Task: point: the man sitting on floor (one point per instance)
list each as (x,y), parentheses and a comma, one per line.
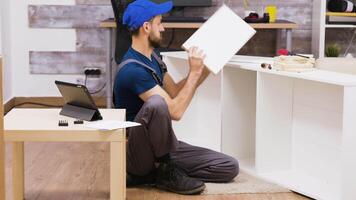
(152,98)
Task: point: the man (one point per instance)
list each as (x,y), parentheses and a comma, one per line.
(152,98)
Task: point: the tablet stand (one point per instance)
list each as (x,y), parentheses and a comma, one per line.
(79,112)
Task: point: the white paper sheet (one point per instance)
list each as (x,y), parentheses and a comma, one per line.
(220,38)
(111,125)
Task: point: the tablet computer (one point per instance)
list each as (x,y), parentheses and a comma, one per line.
(78,102)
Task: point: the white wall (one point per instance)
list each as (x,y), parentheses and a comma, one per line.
(0,28)
(5,50)
(19,39)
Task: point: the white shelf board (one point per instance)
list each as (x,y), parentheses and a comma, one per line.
(340,26)
(247,165)
(295,180)
(302,183)
(253,63)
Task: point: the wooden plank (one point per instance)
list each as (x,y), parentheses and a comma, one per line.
(112,24)
(93,2)
(341,14)
(91,40)
(62,16)
(280,24)
(56,62)
(63,136)
(2,144)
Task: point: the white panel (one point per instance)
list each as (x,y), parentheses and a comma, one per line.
(300,182)
(318,95)
(349,145)
(253,63)
(274,122)
(336,64)
(317,143)
(201,123)
(318,28)
(317,132)
(177,67)
(215,37)
(52,39)
(239,113)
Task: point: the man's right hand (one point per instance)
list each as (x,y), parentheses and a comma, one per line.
(196,60)
(179,102)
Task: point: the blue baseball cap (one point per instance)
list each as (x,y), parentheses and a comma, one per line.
(141,11)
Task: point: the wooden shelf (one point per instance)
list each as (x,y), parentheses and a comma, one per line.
(279,24)
(341,14)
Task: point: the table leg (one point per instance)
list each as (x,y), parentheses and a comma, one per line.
(2,167)
(18,173)
(117,170)
(109,61)
(289,39)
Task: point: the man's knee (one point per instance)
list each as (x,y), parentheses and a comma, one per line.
(235,168)
(157,105)
(232,169)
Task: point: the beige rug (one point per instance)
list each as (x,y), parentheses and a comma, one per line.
(243,183)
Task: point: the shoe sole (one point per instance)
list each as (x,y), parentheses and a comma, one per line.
(197,190)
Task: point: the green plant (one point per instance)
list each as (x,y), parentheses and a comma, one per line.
(332,50)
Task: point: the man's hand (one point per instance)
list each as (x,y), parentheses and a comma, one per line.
(196,58)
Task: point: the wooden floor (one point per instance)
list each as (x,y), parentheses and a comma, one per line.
(80,171)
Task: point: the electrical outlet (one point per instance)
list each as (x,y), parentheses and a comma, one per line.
(92,71)
(94,83)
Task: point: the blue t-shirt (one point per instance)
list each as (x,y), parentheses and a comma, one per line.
(132,80)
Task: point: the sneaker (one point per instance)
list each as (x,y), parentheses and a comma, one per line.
(134,180)
(172,178)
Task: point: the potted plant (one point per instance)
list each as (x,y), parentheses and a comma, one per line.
(332,50)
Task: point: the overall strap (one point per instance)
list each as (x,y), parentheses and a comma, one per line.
(153,72)
(162,65)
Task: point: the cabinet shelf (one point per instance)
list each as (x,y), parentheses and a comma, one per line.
(340,26)
(341,14)
(320,25)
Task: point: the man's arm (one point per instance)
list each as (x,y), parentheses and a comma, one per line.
(173,88)
(178,105)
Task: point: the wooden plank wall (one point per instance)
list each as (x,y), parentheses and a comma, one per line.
(2,143)
(86,15)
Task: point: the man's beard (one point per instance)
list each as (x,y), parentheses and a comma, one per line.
(154,41)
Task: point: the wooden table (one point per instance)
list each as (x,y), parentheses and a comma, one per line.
(110,25)
(41,125)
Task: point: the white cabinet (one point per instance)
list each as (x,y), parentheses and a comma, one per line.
(294,129)
(201,123)
(320,27)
